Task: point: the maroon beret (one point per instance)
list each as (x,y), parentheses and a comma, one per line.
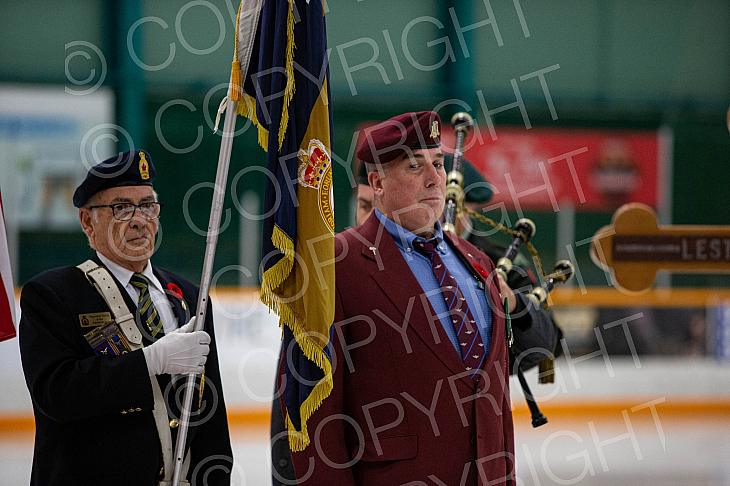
(381,143)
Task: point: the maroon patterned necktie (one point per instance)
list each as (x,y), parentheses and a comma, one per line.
(468,338)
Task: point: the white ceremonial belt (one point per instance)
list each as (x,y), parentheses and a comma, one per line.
(107,287)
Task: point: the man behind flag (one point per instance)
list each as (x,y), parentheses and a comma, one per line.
(285,92)
(420,349)
(7,295)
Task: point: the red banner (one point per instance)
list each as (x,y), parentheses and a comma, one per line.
(540,168)
(7,295)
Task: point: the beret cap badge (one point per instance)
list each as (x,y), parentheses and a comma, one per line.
(144,167)
(435,129)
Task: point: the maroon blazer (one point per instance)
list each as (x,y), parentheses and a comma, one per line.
(403,408)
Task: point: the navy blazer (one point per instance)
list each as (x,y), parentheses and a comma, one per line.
(93,414)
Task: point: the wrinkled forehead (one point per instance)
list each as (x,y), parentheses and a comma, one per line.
(421,155)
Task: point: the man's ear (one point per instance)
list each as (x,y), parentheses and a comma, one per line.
(375,179)
(85,219)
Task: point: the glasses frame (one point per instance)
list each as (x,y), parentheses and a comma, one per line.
(136,207)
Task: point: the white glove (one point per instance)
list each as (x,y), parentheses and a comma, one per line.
(178,353)
(187,327)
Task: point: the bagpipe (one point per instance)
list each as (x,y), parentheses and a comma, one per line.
(522,233)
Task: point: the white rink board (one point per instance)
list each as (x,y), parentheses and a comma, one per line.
(248,339)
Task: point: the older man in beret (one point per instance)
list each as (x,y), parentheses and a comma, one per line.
(105,350)
(420,340)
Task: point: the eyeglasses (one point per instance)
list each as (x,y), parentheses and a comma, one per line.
(125,211)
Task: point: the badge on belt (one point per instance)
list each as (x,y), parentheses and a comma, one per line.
(94,319)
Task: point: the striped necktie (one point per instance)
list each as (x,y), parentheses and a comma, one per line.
(148,315)
(469,339)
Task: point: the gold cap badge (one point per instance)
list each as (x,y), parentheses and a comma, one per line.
(144,166)
(434,129)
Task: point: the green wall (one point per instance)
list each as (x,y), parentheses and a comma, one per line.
(640,64)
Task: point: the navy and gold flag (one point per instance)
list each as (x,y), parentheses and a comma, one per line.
(281,64)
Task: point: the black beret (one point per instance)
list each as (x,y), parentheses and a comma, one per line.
(133,168)
(476,187)
(391,138)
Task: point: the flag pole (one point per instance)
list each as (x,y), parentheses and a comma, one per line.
(224,159)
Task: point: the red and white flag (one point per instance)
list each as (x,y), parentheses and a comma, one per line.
(7,294)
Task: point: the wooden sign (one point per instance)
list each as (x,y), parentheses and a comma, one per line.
(634,247)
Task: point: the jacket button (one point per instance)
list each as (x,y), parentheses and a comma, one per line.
(137,409)
(174,423)
(124,412)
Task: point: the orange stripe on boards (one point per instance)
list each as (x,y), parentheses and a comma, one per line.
(608,297)
(14,424)
(697,408)
(590,296)
(247,417)
(685,408)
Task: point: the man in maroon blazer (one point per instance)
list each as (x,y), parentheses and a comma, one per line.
(420,342)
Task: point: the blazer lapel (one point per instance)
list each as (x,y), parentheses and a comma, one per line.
(395,278)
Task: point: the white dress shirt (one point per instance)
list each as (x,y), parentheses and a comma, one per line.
(159,298)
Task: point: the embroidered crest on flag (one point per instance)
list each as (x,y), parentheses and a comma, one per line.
(315,172)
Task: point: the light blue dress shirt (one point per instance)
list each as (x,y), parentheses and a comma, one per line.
(420,265)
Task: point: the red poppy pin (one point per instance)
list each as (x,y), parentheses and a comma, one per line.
(175,290)
(482,271)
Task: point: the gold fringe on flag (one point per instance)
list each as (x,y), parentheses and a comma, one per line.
(275,276)
(311,345)
(246,104)
(290,86)
(312,349)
